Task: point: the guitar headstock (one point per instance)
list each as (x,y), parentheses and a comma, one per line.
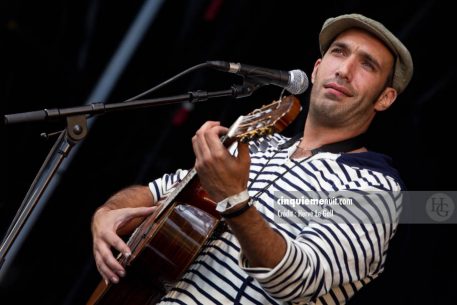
(268,119)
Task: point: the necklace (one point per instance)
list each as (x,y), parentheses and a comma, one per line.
(301,152)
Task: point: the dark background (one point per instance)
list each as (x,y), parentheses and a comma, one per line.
(52,53)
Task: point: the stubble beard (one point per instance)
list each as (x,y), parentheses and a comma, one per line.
(327,111)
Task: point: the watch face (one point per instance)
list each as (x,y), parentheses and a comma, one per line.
(222,206)
(231,201)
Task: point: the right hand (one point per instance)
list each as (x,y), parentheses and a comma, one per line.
(105,224)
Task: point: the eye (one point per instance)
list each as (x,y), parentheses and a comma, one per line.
(337,50)
(368,65)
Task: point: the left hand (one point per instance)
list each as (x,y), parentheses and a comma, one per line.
(221,174)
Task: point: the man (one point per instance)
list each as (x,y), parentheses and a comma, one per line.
(262,259)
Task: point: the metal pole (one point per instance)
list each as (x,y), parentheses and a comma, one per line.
(101,91)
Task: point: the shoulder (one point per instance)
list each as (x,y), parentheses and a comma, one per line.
(371,161)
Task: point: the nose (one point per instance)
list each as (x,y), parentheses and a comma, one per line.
(345,69)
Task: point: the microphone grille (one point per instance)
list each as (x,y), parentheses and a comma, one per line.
(298,82)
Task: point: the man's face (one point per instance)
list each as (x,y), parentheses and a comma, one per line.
(349,81)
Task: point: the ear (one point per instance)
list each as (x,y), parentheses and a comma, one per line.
(385,99)
(316,65)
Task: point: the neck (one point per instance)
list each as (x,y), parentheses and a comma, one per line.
(315,135)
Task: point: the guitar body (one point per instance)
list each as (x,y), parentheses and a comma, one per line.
(167,242)
(164,249)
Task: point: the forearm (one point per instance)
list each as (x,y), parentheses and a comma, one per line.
(131,197)
(262,246)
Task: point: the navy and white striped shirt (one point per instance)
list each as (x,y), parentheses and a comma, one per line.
(326,262)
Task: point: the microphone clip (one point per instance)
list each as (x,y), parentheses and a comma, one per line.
(247,88)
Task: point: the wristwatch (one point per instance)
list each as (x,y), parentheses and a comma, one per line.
(228,204)
(238,211)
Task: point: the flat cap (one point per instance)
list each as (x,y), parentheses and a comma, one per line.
(403,62)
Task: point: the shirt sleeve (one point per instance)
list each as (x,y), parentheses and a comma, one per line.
(161,187)
(346,248)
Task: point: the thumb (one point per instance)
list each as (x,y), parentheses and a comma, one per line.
(140,211)
(127,214)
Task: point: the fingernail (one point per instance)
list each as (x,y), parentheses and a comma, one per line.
(127,254)
(106,282)
(122,273)
(114,279)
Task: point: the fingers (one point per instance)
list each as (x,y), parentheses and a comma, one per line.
(198,141)
(105,238)
(212,138)
(206,142)
(108,266)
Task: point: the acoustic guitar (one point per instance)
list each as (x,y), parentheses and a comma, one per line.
(167,242)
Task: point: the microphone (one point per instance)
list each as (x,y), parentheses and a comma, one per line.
(295,81)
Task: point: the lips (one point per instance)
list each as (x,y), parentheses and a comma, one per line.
(338,88)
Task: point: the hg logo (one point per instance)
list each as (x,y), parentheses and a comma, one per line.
(440,207)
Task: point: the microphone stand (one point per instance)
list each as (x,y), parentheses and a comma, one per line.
(76,131)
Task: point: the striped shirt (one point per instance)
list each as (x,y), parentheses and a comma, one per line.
(327,260)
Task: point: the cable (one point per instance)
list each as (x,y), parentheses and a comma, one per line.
(199,66)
